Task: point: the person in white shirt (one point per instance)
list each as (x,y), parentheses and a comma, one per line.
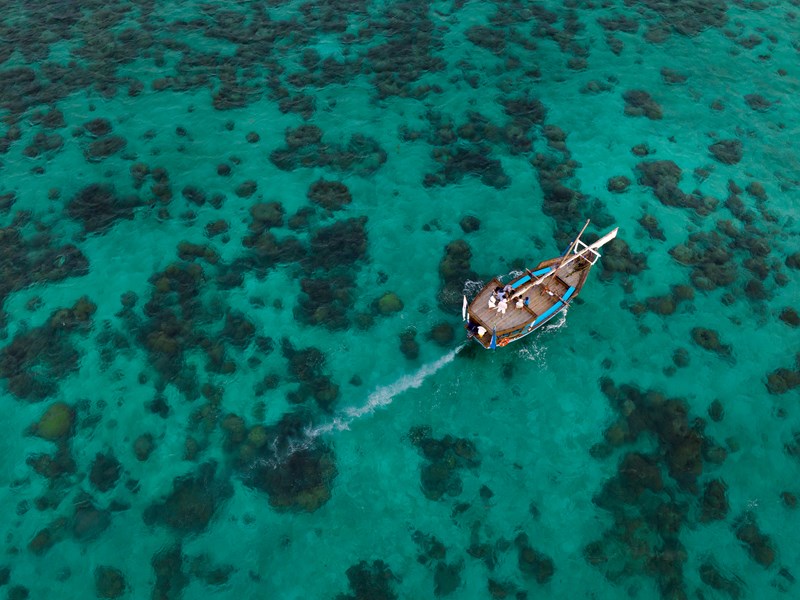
(502,306)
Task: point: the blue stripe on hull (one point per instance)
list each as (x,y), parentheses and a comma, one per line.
(527,278)
(541,319)
(548,313)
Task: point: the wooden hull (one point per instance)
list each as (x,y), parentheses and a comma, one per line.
(545,301)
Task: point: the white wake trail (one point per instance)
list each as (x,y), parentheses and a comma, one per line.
(382,396)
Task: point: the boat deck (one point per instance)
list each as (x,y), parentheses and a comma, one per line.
(540,300)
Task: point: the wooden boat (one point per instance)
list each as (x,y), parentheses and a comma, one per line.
(533,297)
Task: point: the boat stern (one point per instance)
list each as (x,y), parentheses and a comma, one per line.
(479,334)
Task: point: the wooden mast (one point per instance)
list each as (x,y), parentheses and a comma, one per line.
(574,242)
(601,242)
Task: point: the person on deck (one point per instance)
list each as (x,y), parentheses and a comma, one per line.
(502,306)
(472,328)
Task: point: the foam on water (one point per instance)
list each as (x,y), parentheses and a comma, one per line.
(533,348)
(384,395)
(381,397)
(472,287)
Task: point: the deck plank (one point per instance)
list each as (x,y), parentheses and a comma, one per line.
(540,300)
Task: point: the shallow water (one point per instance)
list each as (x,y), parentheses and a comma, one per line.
(287,407)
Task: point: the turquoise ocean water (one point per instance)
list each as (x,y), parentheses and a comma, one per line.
(235,237)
